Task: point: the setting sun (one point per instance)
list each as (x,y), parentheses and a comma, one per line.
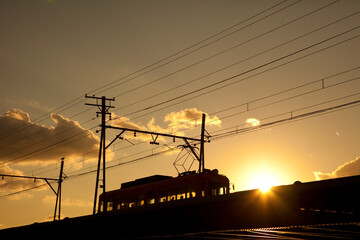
(264,183)
(263,178)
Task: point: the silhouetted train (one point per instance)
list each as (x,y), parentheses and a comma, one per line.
(160,189)
(161,205)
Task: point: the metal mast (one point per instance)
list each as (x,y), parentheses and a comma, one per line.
(199,156)
(103,111)
(202,157)
(62,175)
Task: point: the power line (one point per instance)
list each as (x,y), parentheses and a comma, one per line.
(43,117)
(202,41)
(235,76)
(246,72)
(251,24)
(284,120)
(238,62)
(233,47)
(322,86)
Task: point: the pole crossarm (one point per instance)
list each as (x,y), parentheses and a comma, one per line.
(31,177)
(117,137)
(153,133)
(57,193)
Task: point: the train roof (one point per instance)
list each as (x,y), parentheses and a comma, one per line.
(145,180)
(160,180)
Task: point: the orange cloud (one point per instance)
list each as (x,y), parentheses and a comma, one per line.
(176,121)
(253,122)
(190,117)
(8,184)
(347,169)
(27,142)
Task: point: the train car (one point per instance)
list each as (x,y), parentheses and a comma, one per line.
(160,189)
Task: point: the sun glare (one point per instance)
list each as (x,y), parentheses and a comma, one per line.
(264,183)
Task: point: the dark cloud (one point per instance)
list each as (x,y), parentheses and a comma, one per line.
(347,169)
(23,141)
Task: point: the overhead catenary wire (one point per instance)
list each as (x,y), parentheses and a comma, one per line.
(94,91)
(275,102)
(220,136)
(243,43)
(256,22)
(244,73)
(240,74)
(284,120)
(74,102)
(209,38)
(236,46)
(238,62)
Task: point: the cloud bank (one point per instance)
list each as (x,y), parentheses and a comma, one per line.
(176,122)
(8,185)
(347,169)
(23,141)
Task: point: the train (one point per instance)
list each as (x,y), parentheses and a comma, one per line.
(161,189)
(194,203)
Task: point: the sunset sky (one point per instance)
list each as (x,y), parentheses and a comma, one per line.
(244,63)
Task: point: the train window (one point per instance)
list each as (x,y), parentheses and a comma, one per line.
(101,206)
(132,204)
(151,201)
(203,189)
(163,199)
(214,192)
(180,196)
(151,197)
(109,206)
(190,194)
(221,191)
(171,197)
(140,203)
(118,206)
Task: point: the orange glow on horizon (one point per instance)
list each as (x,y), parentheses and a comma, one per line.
(264,182)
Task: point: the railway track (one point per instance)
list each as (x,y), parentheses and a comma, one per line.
(320,231)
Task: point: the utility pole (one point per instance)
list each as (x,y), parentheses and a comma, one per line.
(58,193)
(202,151)
(62,175)
(103,111)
